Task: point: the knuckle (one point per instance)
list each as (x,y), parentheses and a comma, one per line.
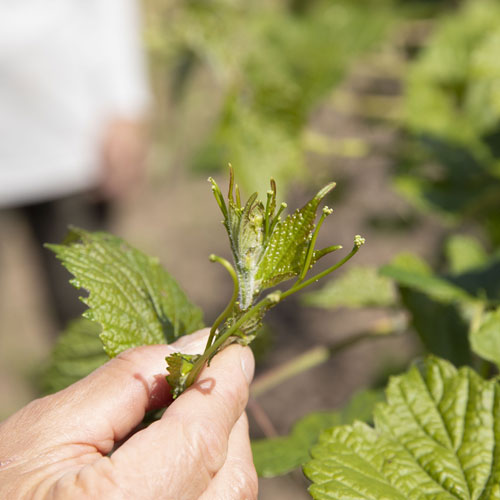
(244,484)
(205,444)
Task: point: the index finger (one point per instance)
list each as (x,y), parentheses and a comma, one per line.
(180,453)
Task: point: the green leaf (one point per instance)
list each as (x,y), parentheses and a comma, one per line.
(357,287)
(485,340)
(78,352)
(267,250)
(432,302)
(278,456)
(179,367)
(464,253)
(130,295)
(439,304)
(437,437)
(286,250)
(409,271)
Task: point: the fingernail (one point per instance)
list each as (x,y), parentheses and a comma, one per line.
(247,363)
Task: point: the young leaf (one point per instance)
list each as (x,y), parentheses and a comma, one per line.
(179,366)
(436,437)
(280,455)
(285,252)
(130,295)
(78,352)
(267,250)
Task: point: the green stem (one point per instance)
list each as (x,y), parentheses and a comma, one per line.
(300,285)
(311,358)
(230,305)
(193,374)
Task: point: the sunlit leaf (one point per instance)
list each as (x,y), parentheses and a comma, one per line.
(437,437)
(179,367)
(131,296)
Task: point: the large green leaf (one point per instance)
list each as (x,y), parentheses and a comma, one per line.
(437,437)
(277,456)
(78,352)
(130,295)
(357,287)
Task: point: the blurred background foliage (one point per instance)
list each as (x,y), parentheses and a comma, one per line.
(452,115)
(269,62)
(242,82)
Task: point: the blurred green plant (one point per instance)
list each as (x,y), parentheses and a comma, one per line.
(272,62)
(454,313)
(450,164)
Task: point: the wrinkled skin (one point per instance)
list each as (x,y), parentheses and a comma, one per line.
(58,447)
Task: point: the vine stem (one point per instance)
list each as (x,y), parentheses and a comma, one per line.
(262,418)
(230,305)
(272,298)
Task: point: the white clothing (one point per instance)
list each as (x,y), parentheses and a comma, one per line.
(66,68)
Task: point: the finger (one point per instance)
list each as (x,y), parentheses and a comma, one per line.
(177,456)
(105,406)
(237,479)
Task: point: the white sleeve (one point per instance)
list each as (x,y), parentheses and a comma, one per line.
(124,81)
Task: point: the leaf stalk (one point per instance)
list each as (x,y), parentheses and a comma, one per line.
(227,311)
(272,298)
(299,285)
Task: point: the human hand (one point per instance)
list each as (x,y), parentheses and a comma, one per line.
(57,447)
(123,158)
